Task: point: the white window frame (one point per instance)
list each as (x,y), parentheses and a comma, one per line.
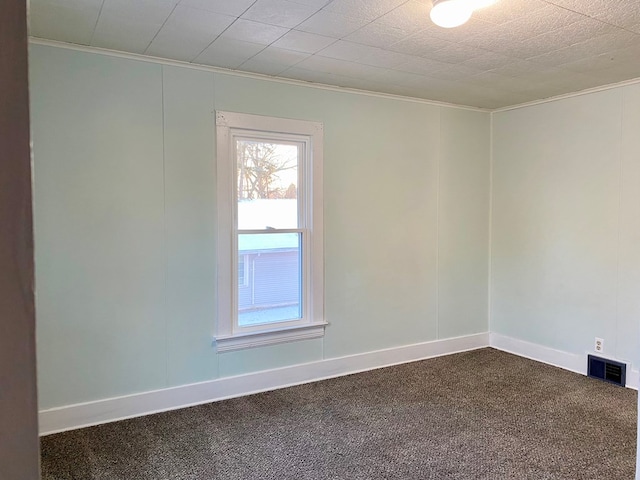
(230,125)
(245,272)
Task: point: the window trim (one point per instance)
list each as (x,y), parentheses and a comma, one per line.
(245,271)
(226,338)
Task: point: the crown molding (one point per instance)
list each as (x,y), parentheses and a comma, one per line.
(321,86)
(564,96)
(238,73)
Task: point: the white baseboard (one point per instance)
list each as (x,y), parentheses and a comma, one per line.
(558,358)
(119,408)
(108,410)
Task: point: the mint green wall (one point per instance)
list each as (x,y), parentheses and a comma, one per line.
(190,212)
(566,223)
(99,226)
(464,206)
(125,222)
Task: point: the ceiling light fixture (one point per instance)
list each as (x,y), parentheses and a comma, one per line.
(453,13)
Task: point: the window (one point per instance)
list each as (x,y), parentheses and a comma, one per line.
(270,264)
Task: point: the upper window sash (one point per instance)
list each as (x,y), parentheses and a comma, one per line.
(304,180)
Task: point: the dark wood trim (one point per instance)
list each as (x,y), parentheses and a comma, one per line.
(19,457)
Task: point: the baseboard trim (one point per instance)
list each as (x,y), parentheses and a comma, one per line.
(119,408)
(569,361)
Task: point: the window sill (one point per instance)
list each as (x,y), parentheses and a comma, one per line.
(242,341)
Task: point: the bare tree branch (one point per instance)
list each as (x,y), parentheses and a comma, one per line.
(259,165)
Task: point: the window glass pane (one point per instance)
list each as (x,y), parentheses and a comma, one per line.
(272,292)
(267,189)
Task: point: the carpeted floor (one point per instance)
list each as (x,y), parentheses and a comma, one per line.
(483,414)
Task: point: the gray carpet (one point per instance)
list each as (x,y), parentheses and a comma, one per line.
(483,414)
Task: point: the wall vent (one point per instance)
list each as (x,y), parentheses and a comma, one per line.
(607,370)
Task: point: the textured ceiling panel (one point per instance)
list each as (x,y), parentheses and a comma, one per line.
(331,24)
(363,8)
(509,53)
(69,21)
(279,12)
(274,60)
(225,7)
(297,41)
(187,32)
(228,53)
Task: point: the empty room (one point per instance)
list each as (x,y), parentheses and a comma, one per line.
(331,239)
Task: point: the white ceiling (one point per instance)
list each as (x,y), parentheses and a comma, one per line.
(510,53)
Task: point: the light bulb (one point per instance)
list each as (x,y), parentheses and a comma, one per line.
(451,13)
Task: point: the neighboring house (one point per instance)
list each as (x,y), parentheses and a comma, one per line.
(268,272)
(269,263)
